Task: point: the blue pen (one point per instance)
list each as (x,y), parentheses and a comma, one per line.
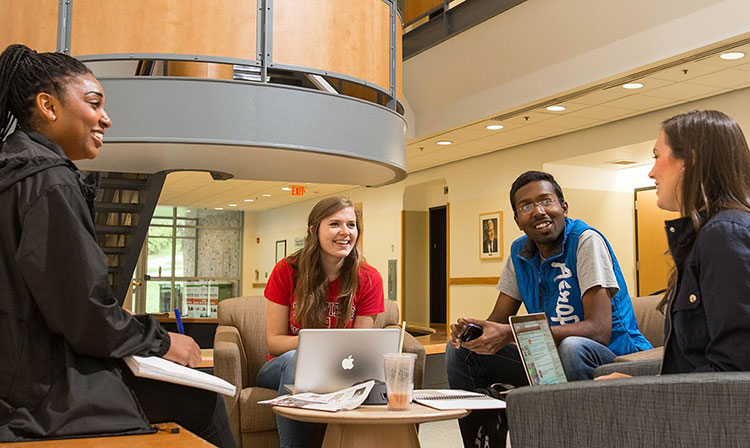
(178,318)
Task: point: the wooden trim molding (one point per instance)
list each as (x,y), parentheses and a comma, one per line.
(473,280)
(190,320)
(448,267)
(403,265)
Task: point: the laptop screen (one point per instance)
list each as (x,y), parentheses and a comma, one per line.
(333,359)
(537,349)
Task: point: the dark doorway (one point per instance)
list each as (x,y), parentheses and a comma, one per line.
(437,264)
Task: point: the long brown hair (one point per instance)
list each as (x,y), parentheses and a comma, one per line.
(311,283)
(717,166)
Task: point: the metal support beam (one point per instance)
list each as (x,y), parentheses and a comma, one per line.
(266,25)
(320,82)
(64,23)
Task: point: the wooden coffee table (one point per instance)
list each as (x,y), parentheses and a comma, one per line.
(371,426)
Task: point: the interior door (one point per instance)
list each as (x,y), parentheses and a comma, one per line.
(652,255)
(438,259)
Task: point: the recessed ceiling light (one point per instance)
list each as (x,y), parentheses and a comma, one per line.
(233,205)
(444,142)
(556,108)
(286,189)
(633,85)
(731,56)
(621,162)
(249,200)
(266,195)
(218,208)
(494,127)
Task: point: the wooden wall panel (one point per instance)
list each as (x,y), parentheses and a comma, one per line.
(29,22)
(342,36)
(414,8)
(200,70)
(208,27)
(654,262)
(399,58)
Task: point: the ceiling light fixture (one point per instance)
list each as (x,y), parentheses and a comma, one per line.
(233,205)
(732,55)
(621,162)
(633,85)
(266,195)
(286,189)
(494,127)
(218,208)
(444,142)
(556,108)
(249,200)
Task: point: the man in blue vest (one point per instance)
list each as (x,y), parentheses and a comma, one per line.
(564,268)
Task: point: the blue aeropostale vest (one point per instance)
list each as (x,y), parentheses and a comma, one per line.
(552,287)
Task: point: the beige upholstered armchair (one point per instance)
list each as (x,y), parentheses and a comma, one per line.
(239,352)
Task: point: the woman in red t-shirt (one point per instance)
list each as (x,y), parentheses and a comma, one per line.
(324,285)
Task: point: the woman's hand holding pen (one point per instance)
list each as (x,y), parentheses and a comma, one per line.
(183,350)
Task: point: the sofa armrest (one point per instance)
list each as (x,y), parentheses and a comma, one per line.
(230,364)
(633,368)
(411,345)
(231,335)
(227,367)
(700,409)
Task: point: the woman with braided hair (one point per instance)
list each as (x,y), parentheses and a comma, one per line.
(62,332)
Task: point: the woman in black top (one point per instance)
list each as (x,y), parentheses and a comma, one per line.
(61,330)
(702,170)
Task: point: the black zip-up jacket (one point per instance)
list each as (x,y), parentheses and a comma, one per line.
(61,329)
(708,317)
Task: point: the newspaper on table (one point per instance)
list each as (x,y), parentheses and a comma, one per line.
(342,400)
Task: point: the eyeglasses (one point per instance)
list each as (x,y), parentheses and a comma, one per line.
(544,203)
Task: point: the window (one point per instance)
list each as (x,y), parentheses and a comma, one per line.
(192,260)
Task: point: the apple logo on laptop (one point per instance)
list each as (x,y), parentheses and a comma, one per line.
(347,363)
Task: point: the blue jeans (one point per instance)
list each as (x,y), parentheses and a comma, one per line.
(469,371)
(274,374)
(581,356)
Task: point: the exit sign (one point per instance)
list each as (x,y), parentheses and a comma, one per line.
(298,190)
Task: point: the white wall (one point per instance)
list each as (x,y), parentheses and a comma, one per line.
(417,273)
(482,184)
(573,43)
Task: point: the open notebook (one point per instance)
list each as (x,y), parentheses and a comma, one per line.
(456,399)
(160,369)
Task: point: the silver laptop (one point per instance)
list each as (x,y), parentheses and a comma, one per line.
(333,359)
(537,348)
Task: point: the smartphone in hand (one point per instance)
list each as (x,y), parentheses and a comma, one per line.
(470,333)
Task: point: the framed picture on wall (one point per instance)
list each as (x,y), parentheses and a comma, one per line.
(280,250)
(491,236)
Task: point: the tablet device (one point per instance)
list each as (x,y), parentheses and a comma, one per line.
(537,349)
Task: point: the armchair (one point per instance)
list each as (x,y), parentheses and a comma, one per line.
(239,352)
